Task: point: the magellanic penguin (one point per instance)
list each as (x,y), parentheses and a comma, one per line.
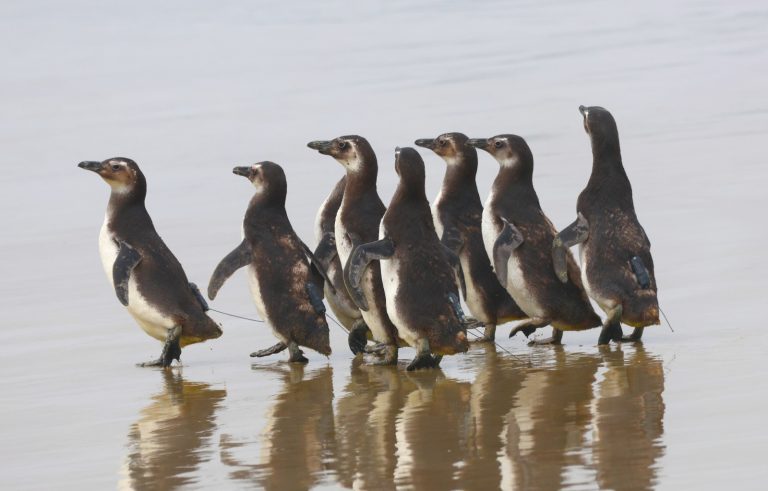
(148,279)
(518,236)
(457,213)
(616,262)
(338,298)
(419,281)
(286,288)
(357,222)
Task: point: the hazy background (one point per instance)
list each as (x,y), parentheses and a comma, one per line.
(190,89)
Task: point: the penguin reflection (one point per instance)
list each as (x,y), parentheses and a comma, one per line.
(168,442)
(630,420)
(298,440)
(396,428)
(548,425)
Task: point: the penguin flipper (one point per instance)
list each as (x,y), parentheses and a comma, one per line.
(509,239)
(453,258)
(326,250)
(239,257)
(358,262)
(571,235)
(127,259)
(316,265)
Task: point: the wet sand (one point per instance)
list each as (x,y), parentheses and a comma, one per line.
(190,90)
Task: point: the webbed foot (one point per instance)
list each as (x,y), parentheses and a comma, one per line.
(378,349)
(610,332)
(489,335)
(269,351)
(297,356)
(358,337)
(423,360)
(635,337)
(555,340)
(389,354)
(171,350)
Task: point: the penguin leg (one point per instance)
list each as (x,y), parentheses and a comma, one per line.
(171,350)
(611,327)
(556,339)
(424,358)
(358,337)
(296,355)
(389,355)
(635,337)
(489,334)
(269,351)
(529,327)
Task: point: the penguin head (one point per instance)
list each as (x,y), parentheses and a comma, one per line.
(267,177)
(122,174)
(351,151)
(599,123)
(409,166)
(450,146)
(510,151)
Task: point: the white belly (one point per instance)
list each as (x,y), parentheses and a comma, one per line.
(343,244)
(439,228)
(473,300)
(490,230)
(390,278)
(518,288)
(258,300)
(152,321)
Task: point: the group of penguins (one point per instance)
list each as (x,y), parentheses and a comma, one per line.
(395,274)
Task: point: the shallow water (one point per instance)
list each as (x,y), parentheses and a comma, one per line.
(190,90)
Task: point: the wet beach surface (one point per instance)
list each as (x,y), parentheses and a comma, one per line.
(189,90)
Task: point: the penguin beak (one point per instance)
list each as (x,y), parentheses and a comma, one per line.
(481,143)
(584,110)
(322,146)
(90,165)
(242,171)
(426,143)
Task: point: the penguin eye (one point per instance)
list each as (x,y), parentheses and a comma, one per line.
(115,167)
(443,142)
(497,144)
(342,145)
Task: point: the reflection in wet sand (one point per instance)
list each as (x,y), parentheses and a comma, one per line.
(168,442)
(551,416)
(572,419)
(630,421)
(297,444)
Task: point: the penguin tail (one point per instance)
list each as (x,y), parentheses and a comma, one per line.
(315,337)
(641,310)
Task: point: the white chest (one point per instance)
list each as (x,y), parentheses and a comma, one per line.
(343,243)
(490,230)
(439,227)
(391,280)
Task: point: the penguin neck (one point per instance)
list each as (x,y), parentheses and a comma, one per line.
(608,170)
(125,201)
(362,180)
(515,185)
(460,178)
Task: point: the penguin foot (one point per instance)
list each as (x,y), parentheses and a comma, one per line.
(489,335)
(269,351)
(297,356)
(635,337)
(388,353)
(610,332)
(422,361)
(171,350)
(555,340)
(358,338)
(378,349)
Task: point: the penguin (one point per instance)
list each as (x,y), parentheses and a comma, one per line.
(341,303)
(357,222)
(457,213)
(616,263)
(148,279)
(518,236)
(419,279)
(286,288)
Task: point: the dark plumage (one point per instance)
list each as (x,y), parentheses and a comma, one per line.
(457,213)
(282,279)
(531,278)
(615,234)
